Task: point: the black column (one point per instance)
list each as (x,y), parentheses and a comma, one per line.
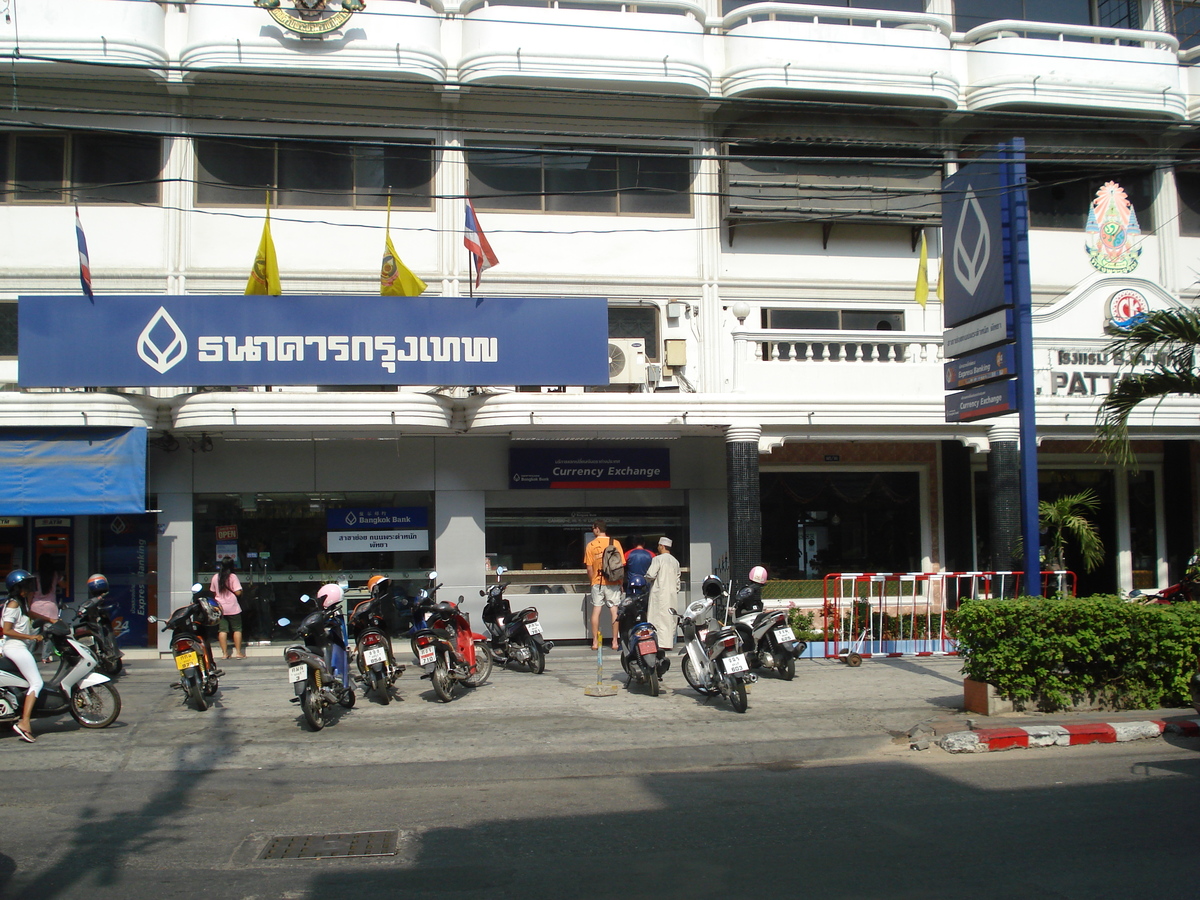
(745,503)
(1004,487)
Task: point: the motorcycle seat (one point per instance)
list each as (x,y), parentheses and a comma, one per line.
(7,665)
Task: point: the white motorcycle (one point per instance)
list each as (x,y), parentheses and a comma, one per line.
(713,658)
(87,695)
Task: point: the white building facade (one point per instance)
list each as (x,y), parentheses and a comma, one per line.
(745,185)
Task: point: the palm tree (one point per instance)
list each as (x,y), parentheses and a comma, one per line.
(1167,340)
(1068,517)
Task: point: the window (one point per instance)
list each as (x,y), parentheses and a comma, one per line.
(970,13)
(1183,21)
(1060,195)
(1187,186)
(91,167)
(797,183)
(8,328)
(572,179)
(833,320)
(635,322)
(232,171)
(913,6)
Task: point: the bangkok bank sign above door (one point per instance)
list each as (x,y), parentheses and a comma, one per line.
(323,340)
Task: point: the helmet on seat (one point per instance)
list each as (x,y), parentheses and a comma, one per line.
(748,599)
(377,584)
(18,579)
(97,585)
(638,584)
(711,587)
(758,575)
(329,595)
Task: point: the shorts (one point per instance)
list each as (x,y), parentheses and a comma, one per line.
(230,623)
(606,595)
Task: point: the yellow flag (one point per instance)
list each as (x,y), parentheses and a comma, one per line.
(264,277)
(922,290)
(396,279)
(941,285)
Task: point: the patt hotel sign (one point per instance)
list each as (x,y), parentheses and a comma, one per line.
(323,340)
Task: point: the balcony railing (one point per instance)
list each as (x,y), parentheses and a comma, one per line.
(818,15)
(1016,28)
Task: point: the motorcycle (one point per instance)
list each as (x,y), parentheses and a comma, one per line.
(92,627)
(318,668)
(377,669)
(199,677)
(513,638)
(713,658)
(1183,591)
(445,646)
(641,657)
(769,640)
(89,696)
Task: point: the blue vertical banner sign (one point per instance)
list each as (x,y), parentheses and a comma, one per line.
(126,552)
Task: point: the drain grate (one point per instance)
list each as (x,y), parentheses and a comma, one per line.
(330,846)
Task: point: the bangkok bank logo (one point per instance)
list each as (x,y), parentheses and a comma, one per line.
(161,345)
(971,262)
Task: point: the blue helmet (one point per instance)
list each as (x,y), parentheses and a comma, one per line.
(16,578)
(97,585)
(637,583)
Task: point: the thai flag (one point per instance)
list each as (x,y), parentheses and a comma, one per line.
(477,245)
(85,271)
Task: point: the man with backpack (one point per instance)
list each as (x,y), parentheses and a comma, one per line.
(605,561)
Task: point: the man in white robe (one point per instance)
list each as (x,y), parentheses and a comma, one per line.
(663,576)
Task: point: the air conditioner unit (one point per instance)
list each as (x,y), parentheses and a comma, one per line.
(626,361)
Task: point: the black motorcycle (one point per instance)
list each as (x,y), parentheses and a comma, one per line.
(318,668)
(373,656)
(199,677)
(92,627)
(643,660)
(513,638)
(768,638)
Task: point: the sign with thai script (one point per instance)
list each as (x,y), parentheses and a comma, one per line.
(376,541)
(323,340)
(980,368)
(376,518)
(982,402)
(612,467)
(991,329)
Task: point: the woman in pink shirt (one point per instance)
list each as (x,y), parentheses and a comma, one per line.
(226,589)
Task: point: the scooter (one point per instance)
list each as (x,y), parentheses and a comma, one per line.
(199,677)
(713,658)
(377,668)
(513,638)
(318,668)
(446,648)
(93,627)
(89,696)
(643,660)
(769,640)
(1184,590)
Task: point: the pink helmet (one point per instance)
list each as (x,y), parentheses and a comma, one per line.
(758,575)
(329,595)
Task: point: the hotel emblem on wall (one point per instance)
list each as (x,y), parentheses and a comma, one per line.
(311,18)
(1111,225)
(1125,309)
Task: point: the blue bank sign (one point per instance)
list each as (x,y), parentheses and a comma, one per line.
(324,340)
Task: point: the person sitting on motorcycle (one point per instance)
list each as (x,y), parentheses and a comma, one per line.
(14,644)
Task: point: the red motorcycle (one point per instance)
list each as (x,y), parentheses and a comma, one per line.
(1182,592)
(451,654)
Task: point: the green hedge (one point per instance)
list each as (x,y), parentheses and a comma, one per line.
(1052,653)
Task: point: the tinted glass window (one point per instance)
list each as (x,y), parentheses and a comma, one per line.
(1187,185)
(38,167)
(116,168)
(234,172)
(1060,196)
(8,329)
(580,183)
(969,13)
(314,174)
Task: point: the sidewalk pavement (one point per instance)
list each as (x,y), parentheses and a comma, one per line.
(927,690)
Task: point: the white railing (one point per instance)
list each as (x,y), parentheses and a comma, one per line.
(1016,27)
(799,12)
(689,8)
(867,347)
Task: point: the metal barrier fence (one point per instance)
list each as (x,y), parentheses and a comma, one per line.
(867,614)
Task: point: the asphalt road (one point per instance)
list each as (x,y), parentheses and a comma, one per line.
(527,787)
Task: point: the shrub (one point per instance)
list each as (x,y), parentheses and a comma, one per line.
(1052,652)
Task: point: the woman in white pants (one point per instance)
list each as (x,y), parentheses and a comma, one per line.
(14,644)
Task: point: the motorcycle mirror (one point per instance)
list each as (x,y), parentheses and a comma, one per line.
(500,570)
(433,575)
(483,593)
(197,588)
(283,623)
(152,619)
(304,598)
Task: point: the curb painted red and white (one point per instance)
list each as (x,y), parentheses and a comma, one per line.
(986,739)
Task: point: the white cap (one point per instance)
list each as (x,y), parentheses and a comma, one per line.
(664,542)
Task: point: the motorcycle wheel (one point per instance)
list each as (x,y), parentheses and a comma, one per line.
(380,685)
(443,684)
(693,679)
(211,686)
(310,702)
(737,695)
(787,671)
(195,691)
(347,699)
(537,659)
(97,706)
(652,677)
(483,666)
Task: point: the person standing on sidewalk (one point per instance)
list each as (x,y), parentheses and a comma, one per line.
(663,576)
(604,592)
(226,589)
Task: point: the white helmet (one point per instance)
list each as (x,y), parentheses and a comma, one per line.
(758,575)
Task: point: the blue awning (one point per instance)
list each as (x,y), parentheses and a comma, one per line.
(72,471)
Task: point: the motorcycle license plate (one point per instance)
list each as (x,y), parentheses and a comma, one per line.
(297,673)
(375,655)
(785,634)
(426,656)
(533,627)
(187,660)
(647,648)
(734,664)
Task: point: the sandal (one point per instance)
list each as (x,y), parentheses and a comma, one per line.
(23,734)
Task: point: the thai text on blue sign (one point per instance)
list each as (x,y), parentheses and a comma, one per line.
(995,399)
(979,368)
(554,467)
(323,340)
(376,518)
